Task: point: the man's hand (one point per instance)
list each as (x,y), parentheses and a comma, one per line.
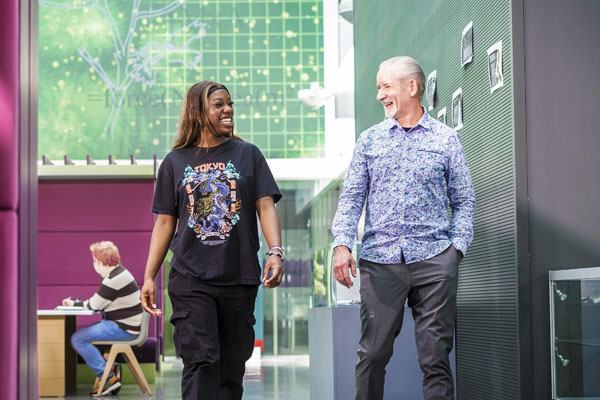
(147,298)
(343,264)
(460,254)
(275,264)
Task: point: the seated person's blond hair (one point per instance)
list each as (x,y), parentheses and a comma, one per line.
(106,253)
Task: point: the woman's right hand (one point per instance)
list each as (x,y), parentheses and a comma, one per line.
(147,297)
(162,233)
(68,302)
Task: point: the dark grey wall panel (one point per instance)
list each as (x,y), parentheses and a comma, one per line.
(563,141)
(488,365)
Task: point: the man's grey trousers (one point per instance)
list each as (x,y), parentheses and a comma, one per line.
(430,287)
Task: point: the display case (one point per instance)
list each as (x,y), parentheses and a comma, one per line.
(575,333)
(327,292)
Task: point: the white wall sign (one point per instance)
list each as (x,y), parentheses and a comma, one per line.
(457,115)
(431,89)
(442,116)
(495,73)
(466,53)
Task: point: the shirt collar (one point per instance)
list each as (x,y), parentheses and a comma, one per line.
(425,121)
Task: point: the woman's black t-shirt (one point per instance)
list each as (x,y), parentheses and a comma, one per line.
(212,192)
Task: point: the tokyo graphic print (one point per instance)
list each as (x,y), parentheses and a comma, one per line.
(213,202)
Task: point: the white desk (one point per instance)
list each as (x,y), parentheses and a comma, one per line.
(65,312)
(57,361)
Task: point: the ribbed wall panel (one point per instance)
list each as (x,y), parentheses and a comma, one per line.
(487,321)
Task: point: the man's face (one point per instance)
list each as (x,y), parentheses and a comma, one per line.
(393,92)
(220,112)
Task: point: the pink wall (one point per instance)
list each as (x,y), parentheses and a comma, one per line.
(8,299)
(95,205)
(9,167)
(74,214)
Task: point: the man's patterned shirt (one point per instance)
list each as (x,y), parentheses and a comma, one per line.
(408,178)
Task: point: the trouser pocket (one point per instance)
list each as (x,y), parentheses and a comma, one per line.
(183,338)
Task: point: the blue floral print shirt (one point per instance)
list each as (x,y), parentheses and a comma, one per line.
(408,178)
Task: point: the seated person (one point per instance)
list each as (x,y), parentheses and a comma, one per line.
(119,300)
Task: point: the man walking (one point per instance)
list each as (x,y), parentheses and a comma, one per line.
(409,169)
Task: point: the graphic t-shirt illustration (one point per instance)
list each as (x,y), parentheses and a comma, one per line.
(212,192)
(213,202)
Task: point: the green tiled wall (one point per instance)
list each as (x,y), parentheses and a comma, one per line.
(263,50)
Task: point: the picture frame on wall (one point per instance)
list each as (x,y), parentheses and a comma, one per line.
(466,48)
(430,90)
(457,109)
(442,116)
(495,72)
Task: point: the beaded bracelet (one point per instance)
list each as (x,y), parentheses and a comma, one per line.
(275,247)
(275,253)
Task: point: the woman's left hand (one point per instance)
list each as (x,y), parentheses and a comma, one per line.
(275,265)
(269,222)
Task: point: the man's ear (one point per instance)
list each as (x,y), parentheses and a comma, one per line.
(413,87)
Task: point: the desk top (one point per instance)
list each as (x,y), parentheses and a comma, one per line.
(64,312)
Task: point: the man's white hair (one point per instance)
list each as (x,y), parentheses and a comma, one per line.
(406,67)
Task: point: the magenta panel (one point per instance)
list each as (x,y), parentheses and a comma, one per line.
(8,145)
(95,205)
(74,214)
(51,296)
(64,258)
(9,300)
(9,101)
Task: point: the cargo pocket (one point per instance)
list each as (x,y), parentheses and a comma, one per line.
(183,335)
(250,337)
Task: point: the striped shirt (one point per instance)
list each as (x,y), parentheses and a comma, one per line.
(119,298)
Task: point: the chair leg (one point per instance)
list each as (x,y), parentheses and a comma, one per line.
(109,363)
(135,368)
(97,382)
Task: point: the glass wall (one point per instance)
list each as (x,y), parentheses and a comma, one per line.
(112,79)
(306,212)
(113,74)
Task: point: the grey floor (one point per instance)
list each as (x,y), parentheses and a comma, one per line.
(277,378)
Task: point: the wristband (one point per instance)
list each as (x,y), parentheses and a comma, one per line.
(275,253)
(275,247)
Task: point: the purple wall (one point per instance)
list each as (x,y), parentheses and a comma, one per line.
(9,100)
(74,214)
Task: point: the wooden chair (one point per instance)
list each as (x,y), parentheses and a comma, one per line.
(124,347)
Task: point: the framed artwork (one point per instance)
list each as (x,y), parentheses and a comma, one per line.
(457,114)
(466,48)
(442,116)
(430,90)
(495,72)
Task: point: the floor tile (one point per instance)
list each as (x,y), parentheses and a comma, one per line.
(277,378)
